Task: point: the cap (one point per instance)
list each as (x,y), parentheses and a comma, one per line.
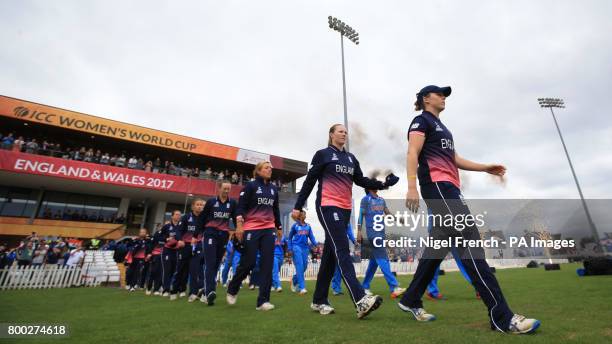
(446,91)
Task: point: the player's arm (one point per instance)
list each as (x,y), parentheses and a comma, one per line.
(416,140)
(311,236)
(468,165)
(318,163)
(360,220)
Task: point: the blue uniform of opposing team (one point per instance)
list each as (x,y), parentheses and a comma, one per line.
(299,236)
(371,206)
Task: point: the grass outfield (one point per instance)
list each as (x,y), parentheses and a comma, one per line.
(571,309)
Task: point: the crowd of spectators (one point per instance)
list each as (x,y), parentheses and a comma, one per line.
(76,215)
(47,251)
(34,146)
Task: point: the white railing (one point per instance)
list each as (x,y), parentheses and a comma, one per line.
(45,276)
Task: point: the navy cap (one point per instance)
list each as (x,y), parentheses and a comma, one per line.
(446,91)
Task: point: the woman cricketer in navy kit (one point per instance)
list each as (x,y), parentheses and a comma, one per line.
(336,169)
(257,226)
(169,252)
(432,149)
(217,214)
(189,255)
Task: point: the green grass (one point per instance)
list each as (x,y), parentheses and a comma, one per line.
(572,309)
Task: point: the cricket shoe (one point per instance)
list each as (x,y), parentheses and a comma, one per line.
(172,297)
(147,292)
(182,294)
(438,297)
(367,305)
(419,313)
(322,309)
(266,306)
(521,325)
(192,298)
(211,298)
(231,299)
(368,292)
(303,292)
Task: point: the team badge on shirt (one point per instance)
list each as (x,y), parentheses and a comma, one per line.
(438,128)
(259,190)
(334,157)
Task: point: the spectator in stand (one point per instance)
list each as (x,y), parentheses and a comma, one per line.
(104,159)
(140,164)
(235,178)
(53,254)
(171,169)
(208,173)
(46,213)
(132,162)
(76,257)
(149,166)
(121,161)
(88,156)
(38,257)
(7,141)
(157,165)
(97,157)
(196,172)
(17,145)
(220,176)
(113,160)
(24,253)
(31,147)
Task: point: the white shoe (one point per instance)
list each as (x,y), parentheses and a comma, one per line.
(157,293)
(279,289)
(203,299)
(294,288)
(252,287)
(127,287)
(225,286)
(336,293)
(173,297)
(521,325)
(397,292)
(147,292)
(266,306)
(231,299)
(323,309)
(183,294)
(419,313)
(166,294)
(132,289)
(192,298)
(303,292)
(368,292)
(367,305)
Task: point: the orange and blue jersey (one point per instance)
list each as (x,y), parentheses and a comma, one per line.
(156,243)
(217,214)
(138,248)
(437,158)
(300,234)
(336,171)
(258,205)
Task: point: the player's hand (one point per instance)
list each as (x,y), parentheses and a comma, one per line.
(495,169)
(391,180)
(194,241)
(359,237)
(295,214)
(239,230)
(279,233)
(412,200)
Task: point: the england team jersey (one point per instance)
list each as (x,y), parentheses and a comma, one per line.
(437,158)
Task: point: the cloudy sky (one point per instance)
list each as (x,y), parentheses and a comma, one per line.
(265,75)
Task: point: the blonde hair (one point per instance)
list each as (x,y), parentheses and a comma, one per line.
(331,131)
(259,166)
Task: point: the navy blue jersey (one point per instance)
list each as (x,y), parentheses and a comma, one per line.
(156,242)
(191,226)
(437,158)
(169,231)
(335,170)
(138,248)
(258,205)
(217,214)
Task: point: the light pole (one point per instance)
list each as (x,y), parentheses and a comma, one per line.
(558,103)
(350,33)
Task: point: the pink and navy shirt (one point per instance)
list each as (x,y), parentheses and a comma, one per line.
(217,214)
(437,158)
(258,205)
(336,171)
